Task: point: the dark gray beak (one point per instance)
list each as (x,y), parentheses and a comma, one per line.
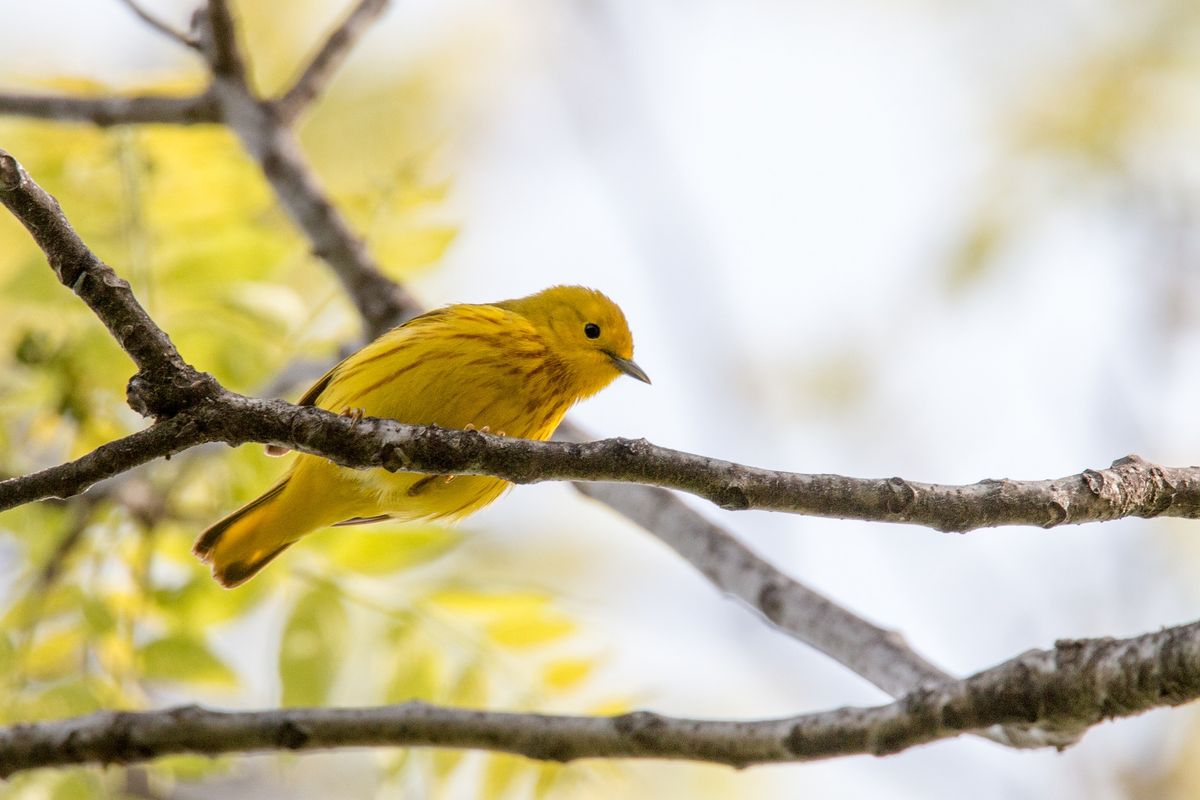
(631,369)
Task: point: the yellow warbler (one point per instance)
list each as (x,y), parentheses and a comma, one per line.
(512,367)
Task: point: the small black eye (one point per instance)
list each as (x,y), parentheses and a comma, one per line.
(591,330)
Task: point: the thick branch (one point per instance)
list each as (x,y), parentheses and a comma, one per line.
(1131,487)
(1078,683)
(107,111)
(329,57)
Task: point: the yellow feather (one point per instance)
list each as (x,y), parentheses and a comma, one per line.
(514,367)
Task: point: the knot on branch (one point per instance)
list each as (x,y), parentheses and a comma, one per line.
(1132,486)
(732,497)
(639,726)
(1059,512)
(772,602)
(292,735)
(162,396)
(394,457)
(901,495)
(10,172)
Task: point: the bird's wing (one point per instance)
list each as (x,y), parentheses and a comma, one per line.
(447,367)
(314,392)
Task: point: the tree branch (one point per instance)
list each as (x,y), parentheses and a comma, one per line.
(108,111)
(381,302)
(329,57)
(262,126)
(1076,684)
(160,26)
(218,39)
(1131,487)
(161,440)
(219,415)
(166,384)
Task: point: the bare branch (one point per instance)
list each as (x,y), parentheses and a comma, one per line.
(160,440)
(264,132)
(879,655)
(328,58)
(107,111)
(381,302)
(1078,683)
(218,39)
(160,26)
(1131,487)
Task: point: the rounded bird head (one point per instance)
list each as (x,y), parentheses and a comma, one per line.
(585,330)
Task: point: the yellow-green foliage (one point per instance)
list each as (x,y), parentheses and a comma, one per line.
(103,605)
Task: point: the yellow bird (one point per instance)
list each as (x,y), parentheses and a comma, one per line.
(512,367)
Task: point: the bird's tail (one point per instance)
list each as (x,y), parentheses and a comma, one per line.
(244,542)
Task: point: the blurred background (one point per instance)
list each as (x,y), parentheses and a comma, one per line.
(946,241)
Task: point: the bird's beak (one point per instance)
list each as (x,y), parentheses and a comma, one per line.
(628,366)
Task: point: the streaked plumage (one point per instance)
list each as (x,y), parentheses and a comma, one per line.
(514,367)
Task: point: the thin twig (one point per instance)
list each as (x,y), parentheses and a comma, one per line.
(108,111)
(162,27)
(328,58)
(161,440)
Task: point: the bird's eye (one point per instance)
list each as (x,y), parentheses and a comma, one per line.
(591,330)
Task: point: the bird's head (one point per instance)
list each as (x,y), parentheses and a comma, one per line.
(586,331)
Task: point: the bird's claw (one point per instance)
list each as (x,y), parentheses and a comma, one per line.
(470,426)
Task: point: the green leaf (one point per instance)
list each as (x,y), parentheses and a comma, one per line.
(527,631)
(312,647)
(445,762)
(180,657)
(566,673)
(55,654)
(186,767)
(98,615)
(499,774)
(383,552)
(7,653)
(77,784)
(471,688)
(201,602)
(548,779)
(418,676)
(67,699)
